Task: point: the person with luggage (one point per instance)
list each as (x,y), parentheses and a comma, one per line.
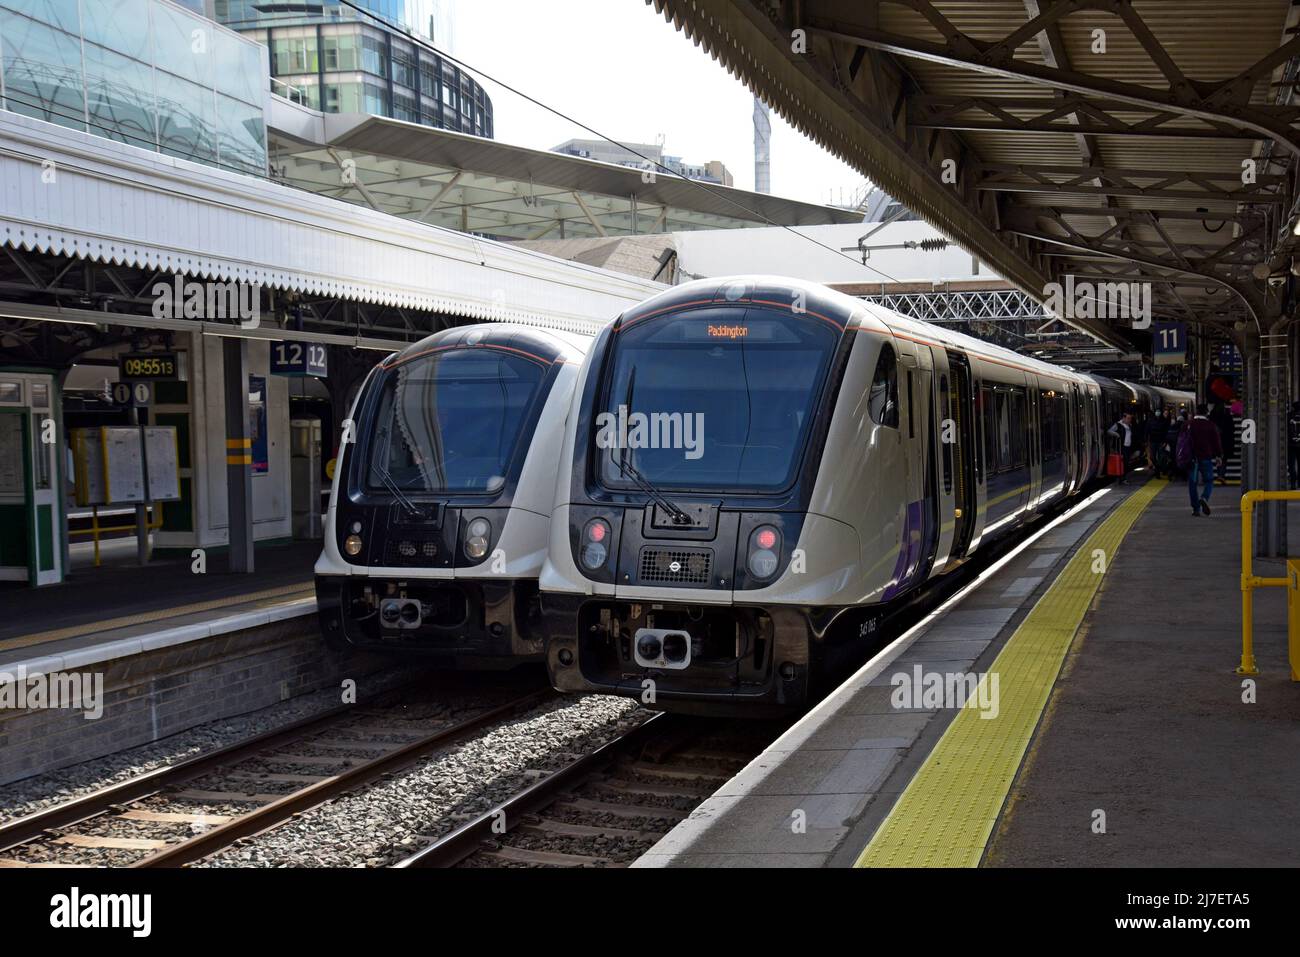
(1122,434)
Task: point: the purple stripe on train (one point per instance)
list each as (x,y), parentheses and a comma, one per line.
(910,552)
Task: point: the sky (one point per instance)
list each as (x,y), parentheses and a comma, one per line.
(620,68)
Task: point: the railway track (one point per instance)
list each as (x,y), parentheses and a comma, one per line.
(195,808)
(606,808)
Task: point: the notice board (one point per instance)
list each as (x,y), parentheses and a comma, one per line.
(109,464)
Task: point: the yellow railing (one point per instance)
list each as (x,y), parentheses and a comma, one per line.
(96,530)
(1250,581)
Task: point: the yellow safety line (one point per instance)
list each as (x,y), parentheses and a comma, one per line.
(947,812)
(148,616)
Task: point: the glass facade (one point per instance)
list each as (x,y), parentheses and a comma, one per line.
(329,57)
(412,16)
(144,72)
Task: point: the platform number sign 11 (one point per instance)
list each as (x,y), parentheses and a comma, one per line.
(1169,343)
(299,358)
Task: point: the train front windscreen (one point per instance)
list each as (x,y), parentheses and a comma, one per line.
(712,400)
(451,422)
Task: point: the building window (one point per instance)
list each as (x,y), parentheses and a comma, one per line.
(339,51)
(294,55)
(374,56)
(376,100)
(404,65)
(405,108)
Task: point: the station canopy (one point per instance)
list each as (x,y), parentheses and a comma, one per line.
(507,192)
(1140,141)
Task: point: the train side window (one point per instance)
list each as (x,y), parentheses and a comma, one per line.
(1045,407)
(1003,400)
(882,400)
(1019,426)
(1060,407)
(988,410)
(911,407)
(1053,429)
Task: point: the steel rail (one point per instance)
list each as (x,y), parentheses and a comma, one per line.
(454,846)
(23,829)
(268,815)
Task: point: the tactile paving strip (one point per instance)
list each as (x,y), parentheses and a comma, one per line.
(945,815)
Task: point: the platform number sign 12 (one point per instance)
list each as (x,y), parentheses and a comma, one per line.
(1169,343)
(299,358)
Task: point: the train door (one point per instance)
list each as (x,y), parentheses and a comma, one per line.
(981,434)
(1080,427)
(916,382)
(1034,447)
(1095,429)
(960,450)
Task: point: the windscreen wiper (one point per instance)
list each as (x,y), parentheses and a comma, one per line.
(398,494)
(627,468)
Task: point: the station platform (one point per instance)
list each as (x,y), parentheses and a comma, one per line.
(124,601)
(1109,727)
(158,649)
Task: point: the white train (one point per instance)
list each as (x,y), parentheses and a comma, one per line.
(755,470)
(439,513)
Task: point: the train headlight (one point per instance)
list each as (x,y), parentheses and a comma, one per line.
(764,549)
(352,545)
(476,538)
(595,547)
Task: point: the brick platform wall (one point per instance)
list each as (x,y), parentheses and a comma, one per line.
(152,695)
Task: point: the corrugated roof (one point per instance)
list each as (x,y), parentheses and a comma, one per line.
(895,87)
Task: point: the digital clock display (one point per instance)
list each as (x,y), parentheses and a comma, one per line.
(147,365)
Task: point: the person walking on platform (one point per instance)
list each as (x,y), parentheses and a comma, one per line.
(1293,444)
(1221,419)
(1157,435)
(1176,429)
(1206,447)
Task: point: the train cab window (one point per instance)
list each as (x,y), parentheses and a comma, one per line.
(882,399)
(451,422)
(729,397)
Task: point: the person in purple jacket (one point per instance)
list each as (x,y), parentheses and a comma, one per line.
(1207,447)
